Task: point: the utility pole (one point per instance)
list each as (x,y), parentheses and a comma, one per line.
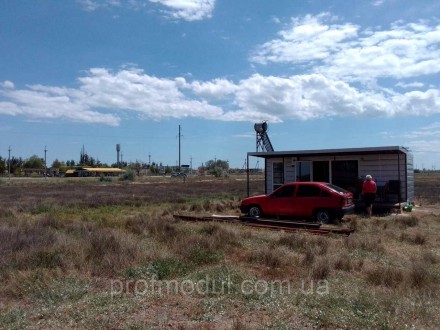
(45,164)
(149,159)
(179,148)
(9,162)
(118,150)
(190,164)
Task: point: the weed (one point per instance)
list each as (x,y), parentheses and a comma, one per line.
(293,241)
(418,275)
(384,275)
(23,236)
(304,242)
(406,221)
(221,236)
(343,262)
(429,257)
(417,238)
(49,221)
(166,268)
(365,242)
(199,255)
(44,258)
(109,252)
(135,226)
(14,318)
(238,324)
(272,258)
(320,269)
(309,257)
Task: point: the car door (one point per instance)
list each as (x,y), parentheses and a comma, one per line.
(307,198)
(281,201)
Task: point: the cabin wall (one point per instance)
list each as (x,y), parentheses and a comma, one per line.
(410,177)
(386,168)
(383,167)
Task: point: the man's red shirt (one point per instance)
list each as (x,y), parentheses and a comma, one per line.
(369,187)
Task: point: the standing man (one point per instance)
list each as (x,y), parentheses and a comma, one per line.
(369,189)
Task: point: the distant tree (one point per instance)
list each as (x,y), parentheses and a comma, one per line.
(136,166)
(58,164)
(16,165)
(34,162)
(86,160)
(3,165)
(121,165)
(154,169)
(128,175)
(212,164)
(217,167)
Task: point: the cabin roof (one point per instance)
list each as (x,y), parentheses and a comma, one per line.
(332,152)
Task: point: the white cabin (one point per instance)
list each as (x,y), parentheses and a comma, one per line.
(391,167)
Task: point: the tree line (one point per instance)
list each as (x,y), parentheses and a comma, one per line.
(16,165)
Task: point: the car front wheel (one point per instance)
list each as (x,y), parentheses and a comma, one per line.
(254,211)
(323,216)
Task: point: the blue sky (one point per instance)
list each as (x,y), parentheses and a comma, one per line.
(324,74)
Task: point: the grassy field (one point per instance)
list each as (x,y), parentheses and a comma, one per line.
(79,253)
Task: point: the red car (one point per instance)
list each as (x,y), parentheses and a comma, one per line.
(318,200)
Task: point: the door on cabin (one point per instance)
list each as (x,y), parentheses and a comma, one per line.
(321,171)
(303,171)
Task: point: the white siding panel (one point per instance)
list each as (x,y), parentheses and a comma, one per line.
(269,178)
(289,170)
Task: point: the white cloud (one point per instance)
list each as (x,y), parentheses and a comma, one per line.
(306,40)
(7,84)
(415,84)
(102,91)
(134,90)
(9,108)
(430,131)
(52,103)
(305,97)
(92,5)
(213,89)
(189,10)
(346,52)
(105,97)
(377,3)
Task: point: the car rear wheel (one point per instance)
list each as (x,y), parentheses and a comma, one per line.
(323,216)
(254,211)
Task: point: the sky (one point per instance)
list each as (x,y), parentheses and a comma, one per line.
(323,74)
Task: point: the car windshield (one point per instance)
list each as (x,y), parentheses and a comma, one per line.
(336,188)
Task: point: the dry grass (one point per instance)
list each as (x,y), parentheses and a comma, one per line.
(63,244)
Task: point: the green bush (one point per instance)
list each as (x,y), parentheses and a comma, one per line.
(105,179)
(129,175)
